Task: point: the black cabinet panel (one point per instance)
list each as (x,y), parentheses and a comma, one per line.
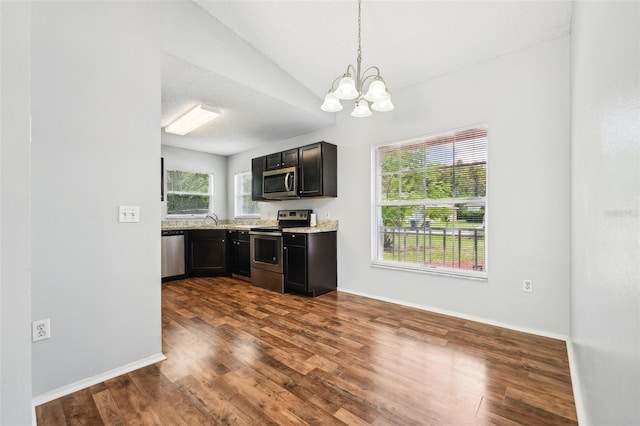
(206,253)
(258,165)
(318,170)
(290,158)
(310,262)
(274,161)
(238,253)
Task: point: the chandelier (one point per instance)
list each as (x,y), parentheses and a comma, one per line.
(349,89)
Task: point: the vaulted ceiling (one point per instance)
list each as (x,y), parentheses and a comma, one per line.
(313,41)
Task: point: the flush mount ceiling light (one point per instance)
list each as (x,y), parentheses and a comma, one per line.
(349,89)
(193,119)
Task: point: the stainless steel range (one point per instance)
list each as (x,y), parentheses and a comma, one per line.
(267,268)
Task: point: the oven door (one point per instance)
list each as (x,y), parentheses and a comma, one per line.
(266,251)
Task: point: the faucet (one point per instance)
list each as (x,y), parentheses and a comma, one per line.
(213,217)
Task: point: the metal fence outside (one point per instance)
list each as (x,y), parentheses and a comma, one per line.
(461,248)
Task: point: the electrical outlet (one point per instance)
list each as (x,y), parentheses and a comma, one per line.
(527,285)
(41,329)
(129,214)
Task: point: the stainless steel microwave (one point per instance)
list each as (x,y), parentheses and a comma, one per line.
(280,183)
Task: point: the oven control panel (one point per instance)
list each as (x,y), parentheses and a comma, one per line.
(294,214)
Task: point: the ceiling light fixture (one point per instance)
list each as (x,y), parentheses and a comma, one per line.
(193,119)
(349,89)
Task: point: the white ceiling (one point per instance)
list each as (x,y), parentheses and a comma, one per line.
(315,40)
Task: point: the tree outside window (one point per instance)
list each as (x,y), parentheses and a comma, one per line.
(189,193)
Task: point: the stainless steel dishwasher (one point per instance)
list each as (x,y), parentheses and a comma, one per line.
(173,258)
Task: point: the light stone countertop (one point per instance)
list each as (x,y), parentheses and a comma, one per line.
(242,225)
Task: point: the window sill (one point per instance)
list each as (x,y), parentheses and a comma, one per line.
(443,272)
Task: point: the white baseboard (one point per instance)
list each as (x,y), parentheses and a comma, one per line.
(93,380)
(575,384)
(460,315)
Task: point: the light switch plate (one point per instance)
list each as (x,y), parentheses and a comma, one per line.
(129,214)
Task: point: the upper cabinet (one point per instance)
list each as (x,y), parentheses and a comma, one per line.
(316,173)
(258,165)
(281,160)
(318,170)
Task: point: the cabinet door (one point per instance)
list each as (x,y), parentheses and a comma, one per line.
(295,267)
(231,258)
(207,253)
(258,165)
(311,170)
(243,258)
(274,161)
(290,158)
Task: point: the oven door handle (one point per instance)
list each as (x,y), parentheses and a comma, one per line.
(266,234)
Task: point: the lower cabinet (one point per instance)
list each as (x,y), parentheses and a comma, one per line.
(310,262)
(206,253)
(238,253)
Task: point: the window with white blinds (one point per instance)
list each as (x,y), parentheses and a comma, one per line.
(244,204)
(430,201)
(189,193)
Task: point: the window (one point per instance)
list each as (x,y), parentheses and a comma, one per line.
(244,205)
(430,203)
(189,193)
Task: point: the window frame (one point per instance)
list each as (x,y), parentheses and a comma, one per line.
(237,197)
(210,194)
(377,243)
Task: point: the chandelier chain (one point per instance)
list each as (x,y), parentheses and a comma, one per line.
(359,24)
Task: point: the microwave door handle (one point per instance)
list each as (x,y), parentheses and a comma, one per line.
(286,181)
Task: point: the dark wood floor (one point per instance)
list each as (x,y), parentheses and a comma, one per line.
(238,354)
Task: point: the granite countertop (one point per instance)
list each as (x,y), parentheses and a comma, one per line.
(242,225)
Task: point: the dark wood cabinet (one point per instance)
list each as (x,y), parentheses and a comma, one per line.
(206,253)
(281,160)
(290,158)
(274,161)
(258,165)
(310,262)
(318,170)
(238,253)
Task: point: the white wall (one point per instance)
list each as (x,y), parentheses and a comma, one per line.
(96,145)
(605,266)
(184,159)
(524,98)
(15,241)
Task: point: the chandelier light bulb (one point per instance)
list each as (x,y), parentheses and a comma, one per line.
(331,103)
(346,89)
(361,109)
(376,90)
(383,105)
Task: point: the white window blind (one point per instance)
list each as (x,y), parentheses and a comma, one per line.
(430,198)
(244,205)
(189,193)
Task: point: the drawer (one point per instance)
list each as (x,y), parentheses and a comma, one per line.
(294,239)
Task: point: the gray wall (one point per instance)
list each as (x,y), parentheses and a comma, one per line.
(96,145)
(524,98)
(15,282)
(605,261)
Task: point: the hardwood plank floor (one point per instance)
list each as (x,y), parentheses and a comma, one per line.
(238,354)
